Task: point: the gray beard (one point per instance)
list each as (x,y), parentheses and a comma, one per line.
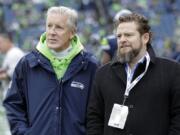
(127,57)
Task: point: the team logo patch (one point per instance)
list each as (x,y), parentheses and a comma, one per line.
(77,85)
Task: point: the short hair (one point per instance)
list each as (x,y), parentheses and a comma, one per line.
(71,13)
(7,35)
(140,20)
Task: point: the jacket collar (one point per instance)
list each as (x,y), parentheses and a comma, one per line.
(79,62)
(36,58)
(151,53)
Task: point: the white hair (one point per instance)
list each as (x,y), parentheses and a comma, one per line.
(71,13)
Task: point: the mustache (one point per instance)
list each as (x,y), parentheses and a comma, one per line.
(124,45)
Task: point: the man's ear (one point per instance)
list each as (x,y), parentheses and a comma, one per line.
(146,38)
(72,34)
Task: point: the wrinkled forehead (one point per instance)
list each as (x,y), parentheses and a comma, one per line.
(127,27)
(56,15)
(56,18)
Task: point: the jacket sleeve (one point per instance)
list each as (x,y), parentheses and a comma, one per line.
(15,105)
(95,111)
(174,128)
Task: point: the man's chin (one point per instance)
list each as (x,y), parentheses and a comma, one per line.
(125,53)
(52,45)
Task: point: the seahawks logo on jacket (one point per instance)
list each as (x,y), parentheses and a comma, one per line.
(77,85)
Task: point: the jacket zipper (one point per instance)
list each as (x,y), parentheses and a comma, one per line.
(60,105)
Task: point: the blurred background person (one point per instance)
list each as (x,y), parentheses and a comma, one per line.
(12,55)
(176,54)
(109,46)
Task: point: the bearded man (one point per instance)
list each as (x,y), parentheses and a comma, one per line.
(138,93)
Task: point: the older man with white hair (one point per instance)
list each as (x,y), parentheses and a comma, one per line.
(51,85)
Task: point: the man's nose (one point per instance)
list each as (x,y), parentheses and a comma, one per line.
(123,38)
(52,30)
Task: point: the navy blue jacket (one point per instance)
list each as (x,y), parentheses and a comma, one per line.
(37,103)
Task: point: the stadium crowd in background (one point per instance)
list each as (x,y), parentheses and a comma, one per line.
(25,19)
